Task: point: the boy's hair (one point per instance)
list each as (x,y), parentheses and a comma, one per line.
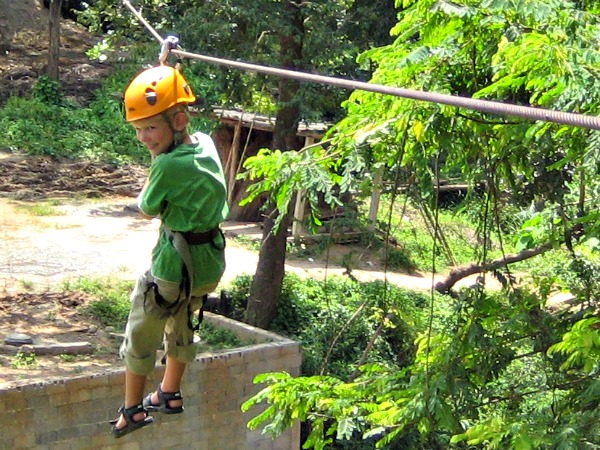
(180,107)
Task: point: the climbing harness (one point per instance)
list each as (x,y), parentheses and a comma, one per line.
(182,241)
(485,106)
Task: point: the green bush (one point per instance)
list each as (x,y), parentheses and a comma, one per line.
(335,319)
(112,303)
(239,290)
(48,91)
(36,128)
(213,338)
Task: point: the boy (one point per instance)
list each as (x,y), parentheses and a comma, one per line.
(186,189)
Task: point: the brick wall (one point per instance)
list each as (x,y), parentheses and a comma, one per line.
(73,413)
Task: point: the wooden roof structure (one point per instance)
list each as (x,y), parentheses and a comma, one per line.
(261,122)
(234,155)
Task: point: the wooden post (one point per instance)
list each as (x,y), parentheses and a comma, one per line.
(298,213)
(375,197)
(233,160)
(54,44)
(300,201)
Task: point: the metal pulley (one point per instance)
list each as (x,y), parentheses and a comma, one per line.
(170,43)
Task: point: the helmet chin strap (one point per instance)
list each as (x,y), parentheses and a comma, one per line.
(178,136)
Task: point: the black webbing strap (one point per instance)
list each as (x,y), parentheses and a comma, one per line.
(200,314)
(169,307)
(207,237)
(182,241)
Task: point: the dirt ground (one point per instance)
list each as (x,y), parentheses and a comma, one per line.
(31,261)
(24,37)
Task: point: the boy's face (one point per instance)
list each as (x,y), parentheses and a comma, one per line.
(155,133)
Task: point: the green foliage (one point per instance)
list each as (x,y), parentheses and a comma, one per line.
(399,259)
(333,34)
(282,174)
(96,133)
(41,209)
(581,345)
(478,376)
(213,338)
(410,224)
(239,290)
(112,303)
(334,320)
(538,229)
(48,91)
(24,361)
(423,143)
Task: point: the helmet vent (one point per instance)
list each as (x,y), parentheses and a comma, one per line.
(151,97)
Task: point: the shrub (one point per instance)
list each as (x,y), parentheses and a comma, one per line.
(334,320)
(112,304)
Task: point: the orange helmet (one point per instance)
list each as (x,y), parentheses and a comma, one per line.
(155,90)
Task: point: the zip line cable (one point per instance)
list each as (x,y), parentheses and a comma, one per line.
(485,106)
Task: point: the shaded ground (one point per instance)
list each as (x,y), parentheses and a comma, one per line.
(53,319)
(24,36)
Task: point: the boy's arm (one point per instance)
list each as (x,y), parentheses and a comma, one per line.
(139,202)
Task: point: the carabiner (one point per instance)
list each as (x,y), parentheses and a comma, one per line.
(170,43)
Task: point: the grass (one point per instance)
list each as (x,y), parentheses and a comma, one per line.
(214,338)
(42,209)
(246,242)
(27,284)
(111,306)
(413,230)
(24,361)
(411,245)
(65,357)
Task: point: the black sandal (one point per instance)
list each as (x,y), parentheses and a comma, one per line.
(130,424)
(164,398)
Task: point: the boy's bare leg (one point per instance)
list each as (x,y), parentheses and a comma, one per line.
(171,381)
(134,392)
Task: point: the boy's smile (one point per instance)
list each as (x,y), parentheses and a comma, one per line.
(155,133)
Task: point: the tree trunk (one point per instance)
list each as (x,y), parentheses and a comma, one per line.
(265,289)
(54,45)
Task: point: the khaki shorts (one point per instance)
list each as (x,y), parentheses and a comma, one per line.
(150,326)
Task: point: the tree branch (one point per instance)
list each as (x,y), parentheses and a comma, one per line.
(370,345)
(444,287)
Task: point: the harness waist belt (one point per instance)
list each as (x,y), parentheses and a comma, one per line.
(206,237)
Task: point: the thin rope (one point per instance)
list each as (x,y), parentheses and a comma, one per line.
(485,106)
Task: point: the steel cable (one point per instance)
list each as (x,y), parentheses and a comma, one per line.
(484,106)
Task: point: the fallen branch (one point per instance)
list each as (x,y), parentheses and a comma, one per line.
(459,273)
